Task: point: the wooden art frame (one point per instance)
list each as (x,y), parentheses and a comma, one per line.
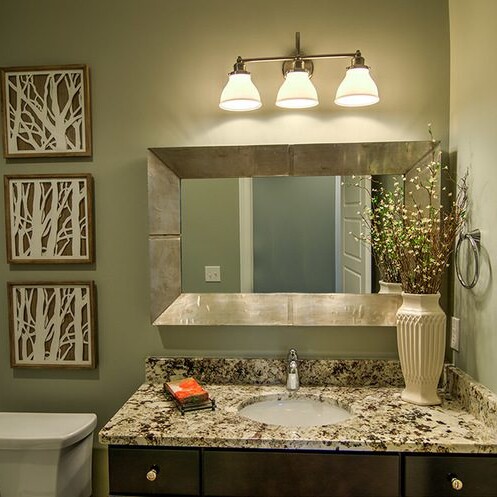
(49,218)
(52,324)
(46,111)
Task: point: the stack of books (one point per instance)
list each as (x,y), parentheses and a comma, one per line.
(188,395)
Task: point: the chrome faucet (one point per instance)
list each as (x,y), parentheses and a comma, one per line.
(292,379)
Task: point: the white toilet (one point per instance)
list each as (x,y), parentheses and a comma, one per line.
(46,454)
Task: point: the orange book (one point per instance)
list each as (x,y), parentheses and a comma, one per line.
(187,391)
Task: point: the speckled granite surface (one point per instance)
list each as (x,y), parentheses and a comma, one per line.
(381,421)
(312,372)
(473,396)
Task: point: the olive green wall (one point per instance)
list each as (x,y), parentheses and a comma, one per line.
(210,234)
(473,145)
(157,69)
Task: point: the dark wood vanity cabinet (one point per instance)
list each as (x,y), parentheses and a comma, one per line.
(283,473)
(131,471)
(437,475)
(297,473)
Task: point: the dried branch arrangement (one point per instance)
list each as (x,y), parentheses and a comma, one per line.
(428,229)
(411,232)
(381,223)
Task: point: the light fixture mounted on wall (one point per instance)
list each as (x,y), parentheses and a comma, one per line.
(297,91)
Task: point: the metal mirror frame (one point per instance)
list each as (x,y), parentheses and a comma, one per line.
(168,166)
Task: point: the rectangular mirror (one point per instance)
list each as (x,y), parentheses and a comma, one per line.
(262,215)
(277,234)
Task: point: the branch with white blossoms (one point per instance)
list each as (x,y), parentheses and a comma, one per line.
(379,222)
(412,235)
(428,229)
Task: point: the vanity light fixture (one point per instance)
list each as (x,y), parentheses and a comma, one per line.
(297,91)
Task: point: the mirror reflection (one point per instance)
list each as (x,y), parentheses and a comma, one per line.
(276,234)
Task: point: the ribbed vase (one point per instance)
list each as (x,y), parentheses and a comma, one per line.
(421,344)
(387,287)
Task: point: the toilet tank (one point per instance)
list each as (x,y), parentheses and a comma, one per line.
(46,454)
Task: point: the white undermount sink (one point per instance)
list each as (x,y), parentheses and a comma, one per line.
(294,411)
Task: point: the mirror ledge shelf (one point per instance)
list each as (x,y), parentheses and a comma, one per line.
(166,168)
(281,309)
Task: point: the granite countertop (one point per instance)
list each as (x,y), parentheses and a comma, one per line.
(381,421)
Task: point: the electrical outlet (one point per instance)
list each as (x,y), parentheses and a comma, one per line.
(455,334)
(212,273)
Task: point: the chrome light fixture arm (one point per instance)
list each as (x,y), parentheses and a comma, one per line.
(345,55)
(357,59)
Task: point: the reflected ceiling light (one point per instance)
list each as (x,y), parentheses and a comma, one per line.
(297,91)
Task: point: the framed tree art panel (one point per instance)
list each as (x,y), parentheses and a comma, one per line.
(49,218)
(52,325)
(46,111)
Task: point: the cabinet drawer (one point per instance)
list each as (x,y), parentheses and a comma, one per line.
(429,476)
(306,474)
(178,471)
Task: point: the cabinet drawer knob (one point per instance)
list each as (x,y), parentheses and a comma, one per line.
(152,473)
(456,483)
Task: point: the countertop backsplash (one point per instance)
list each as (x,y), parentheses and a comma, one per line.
(473,396)
(312,372)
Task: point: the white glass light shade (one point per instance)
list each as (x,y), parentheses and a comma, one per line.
(297,91)
(240,94)
(357,89)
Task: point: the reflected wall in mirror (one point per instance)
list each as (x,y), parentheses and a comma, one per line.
(281,234)
(266,234)
(172,303)
(294,235)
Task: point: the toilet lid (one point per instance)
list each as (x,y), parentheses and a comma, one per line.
(35,430)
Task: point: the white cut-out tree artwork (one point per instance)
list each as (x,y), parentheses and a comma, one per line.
(46,111)
(52,325)
(49,218)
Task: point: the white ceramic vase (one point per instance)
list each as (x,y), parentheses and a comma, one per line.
(421,344)
(387,287)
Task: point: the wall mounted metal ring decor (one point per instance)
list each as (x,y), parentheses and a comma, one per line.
(46,111)
(52,324)
(49,218)
(474,239)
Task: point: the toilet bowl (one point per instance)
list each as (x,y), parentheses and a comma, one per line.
(46,454)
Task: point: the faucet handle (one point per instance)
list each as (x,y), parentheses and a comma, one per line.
(292,355)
